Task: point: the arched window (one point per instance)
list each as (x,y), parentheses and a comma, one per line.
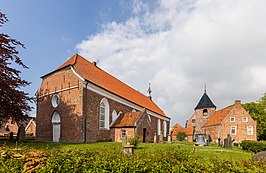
(114,116)
(104,114)
(205,112)
(164,128)
(133,110)
(159,127)
(56,120)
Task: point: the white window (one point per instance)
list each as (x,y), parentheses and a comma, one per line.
(232,119)
(164,128)
(114,116)
(233,130)
(245,119)
(134,110)
(250,130)
(104,114)
(159,127)
(123,133)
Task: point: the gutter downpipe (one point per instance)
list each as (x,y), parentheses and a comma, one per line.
(85,111)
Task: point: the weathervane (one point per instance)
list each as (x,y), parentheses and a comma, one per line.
(205,88)
(149,90)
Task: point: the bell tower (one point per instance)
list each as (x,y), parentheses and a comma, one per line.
(204,109)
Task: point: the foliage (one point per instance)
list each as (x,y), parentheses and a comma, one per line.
(257,111)
(177,159)
(181,136)
(134,141)
(254,146)
(13,101)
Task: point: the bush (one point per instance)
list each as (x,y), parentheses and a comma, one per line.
(181,136)
(134,141)
(254,146)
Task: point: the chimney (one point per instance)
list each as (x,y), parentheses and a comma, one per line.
(94,63)
(238,102)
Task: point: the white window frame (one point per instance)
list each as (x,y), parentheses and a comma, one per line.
(245,120)
(164,129)
(159,127)
(233,127)
(123,133)
(251,130)
(234,119)
(114,116)
(104,114)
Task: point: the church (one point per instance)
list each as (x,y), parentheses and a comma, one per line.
(80,102)
(233,120)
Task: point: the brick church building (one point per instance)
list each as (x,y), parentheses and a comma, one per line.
(233,120)
(79,102)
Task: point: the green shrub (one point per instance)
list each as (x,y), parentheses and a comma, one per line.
(181,136)
(254,146)
(134,141)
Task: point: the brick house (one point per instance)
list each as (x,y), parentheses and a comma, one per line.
(79,102)
(178,128)
(233,120)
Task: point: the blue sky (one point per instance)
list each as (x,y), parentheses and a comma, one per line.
(51,29)
(177,45)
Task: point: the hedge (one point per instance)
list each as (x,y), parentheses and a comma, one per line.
(254,146)
(15,159)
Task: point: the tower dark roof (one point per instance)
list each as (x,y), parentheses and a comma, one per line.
(205,102)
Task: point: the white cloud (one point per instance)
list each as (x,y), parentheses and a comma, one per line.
(182,45)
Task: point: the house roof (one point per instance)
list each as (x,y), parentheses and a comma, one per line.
(205,102)
(97,76)
(178,128)
(218,116)
(127,119)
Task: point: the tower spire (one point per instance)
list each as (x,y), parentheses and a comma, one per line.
(149,90)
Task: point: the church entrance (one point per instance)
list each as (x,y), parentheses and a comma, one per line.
(144,135)
(56,127)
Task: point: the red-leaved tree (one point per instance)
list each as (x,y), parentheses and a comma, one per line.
(13,101)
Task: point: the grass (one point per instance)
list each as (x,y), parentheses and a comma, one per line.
(201,153)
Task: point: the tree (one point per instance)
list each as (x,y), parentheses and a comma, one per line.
(13,101)
(257,111)
(181,136)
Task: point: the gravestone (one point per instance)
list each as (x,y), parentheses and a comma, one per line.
(161,137)
(228,142)
(124,141)
(155,138)
(128,149)
(21,134)
(169,139)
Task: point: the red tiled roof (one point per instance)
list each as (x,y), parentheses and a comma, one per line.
(178,128)
(218,116)
(127,119)
(101,78)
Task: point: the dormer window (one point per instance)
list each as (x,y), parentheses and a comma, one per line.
(205,112)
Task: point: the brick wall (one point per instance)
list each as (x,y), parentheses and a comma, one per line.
(69,107)
(129,133)
(200,119)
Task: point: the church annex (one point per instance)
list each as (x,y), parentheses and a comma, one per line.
(79,102)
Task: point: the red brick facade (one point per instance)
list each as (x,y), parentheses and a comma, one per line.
(79,109)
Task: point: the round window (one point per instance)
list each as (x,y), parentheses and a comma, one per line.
(55,100)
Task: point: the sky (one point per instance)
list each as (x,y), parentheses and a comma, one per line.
(179,46)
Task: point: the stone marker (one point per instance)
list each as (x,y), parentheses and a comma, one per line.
(169,140)
(228,142)
(21,134)
(260,156)
(155,138)
(128,149)
(124,141)
(161,137)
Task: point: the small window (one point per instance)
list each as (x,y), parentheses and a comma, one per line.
(123,133)
(233,130)
(205,112)
(104,114)
(245,119)
(193,120)
(232,119)
(250,130)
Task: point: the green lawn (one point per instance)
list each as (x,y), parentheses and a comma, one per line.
(201,153)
